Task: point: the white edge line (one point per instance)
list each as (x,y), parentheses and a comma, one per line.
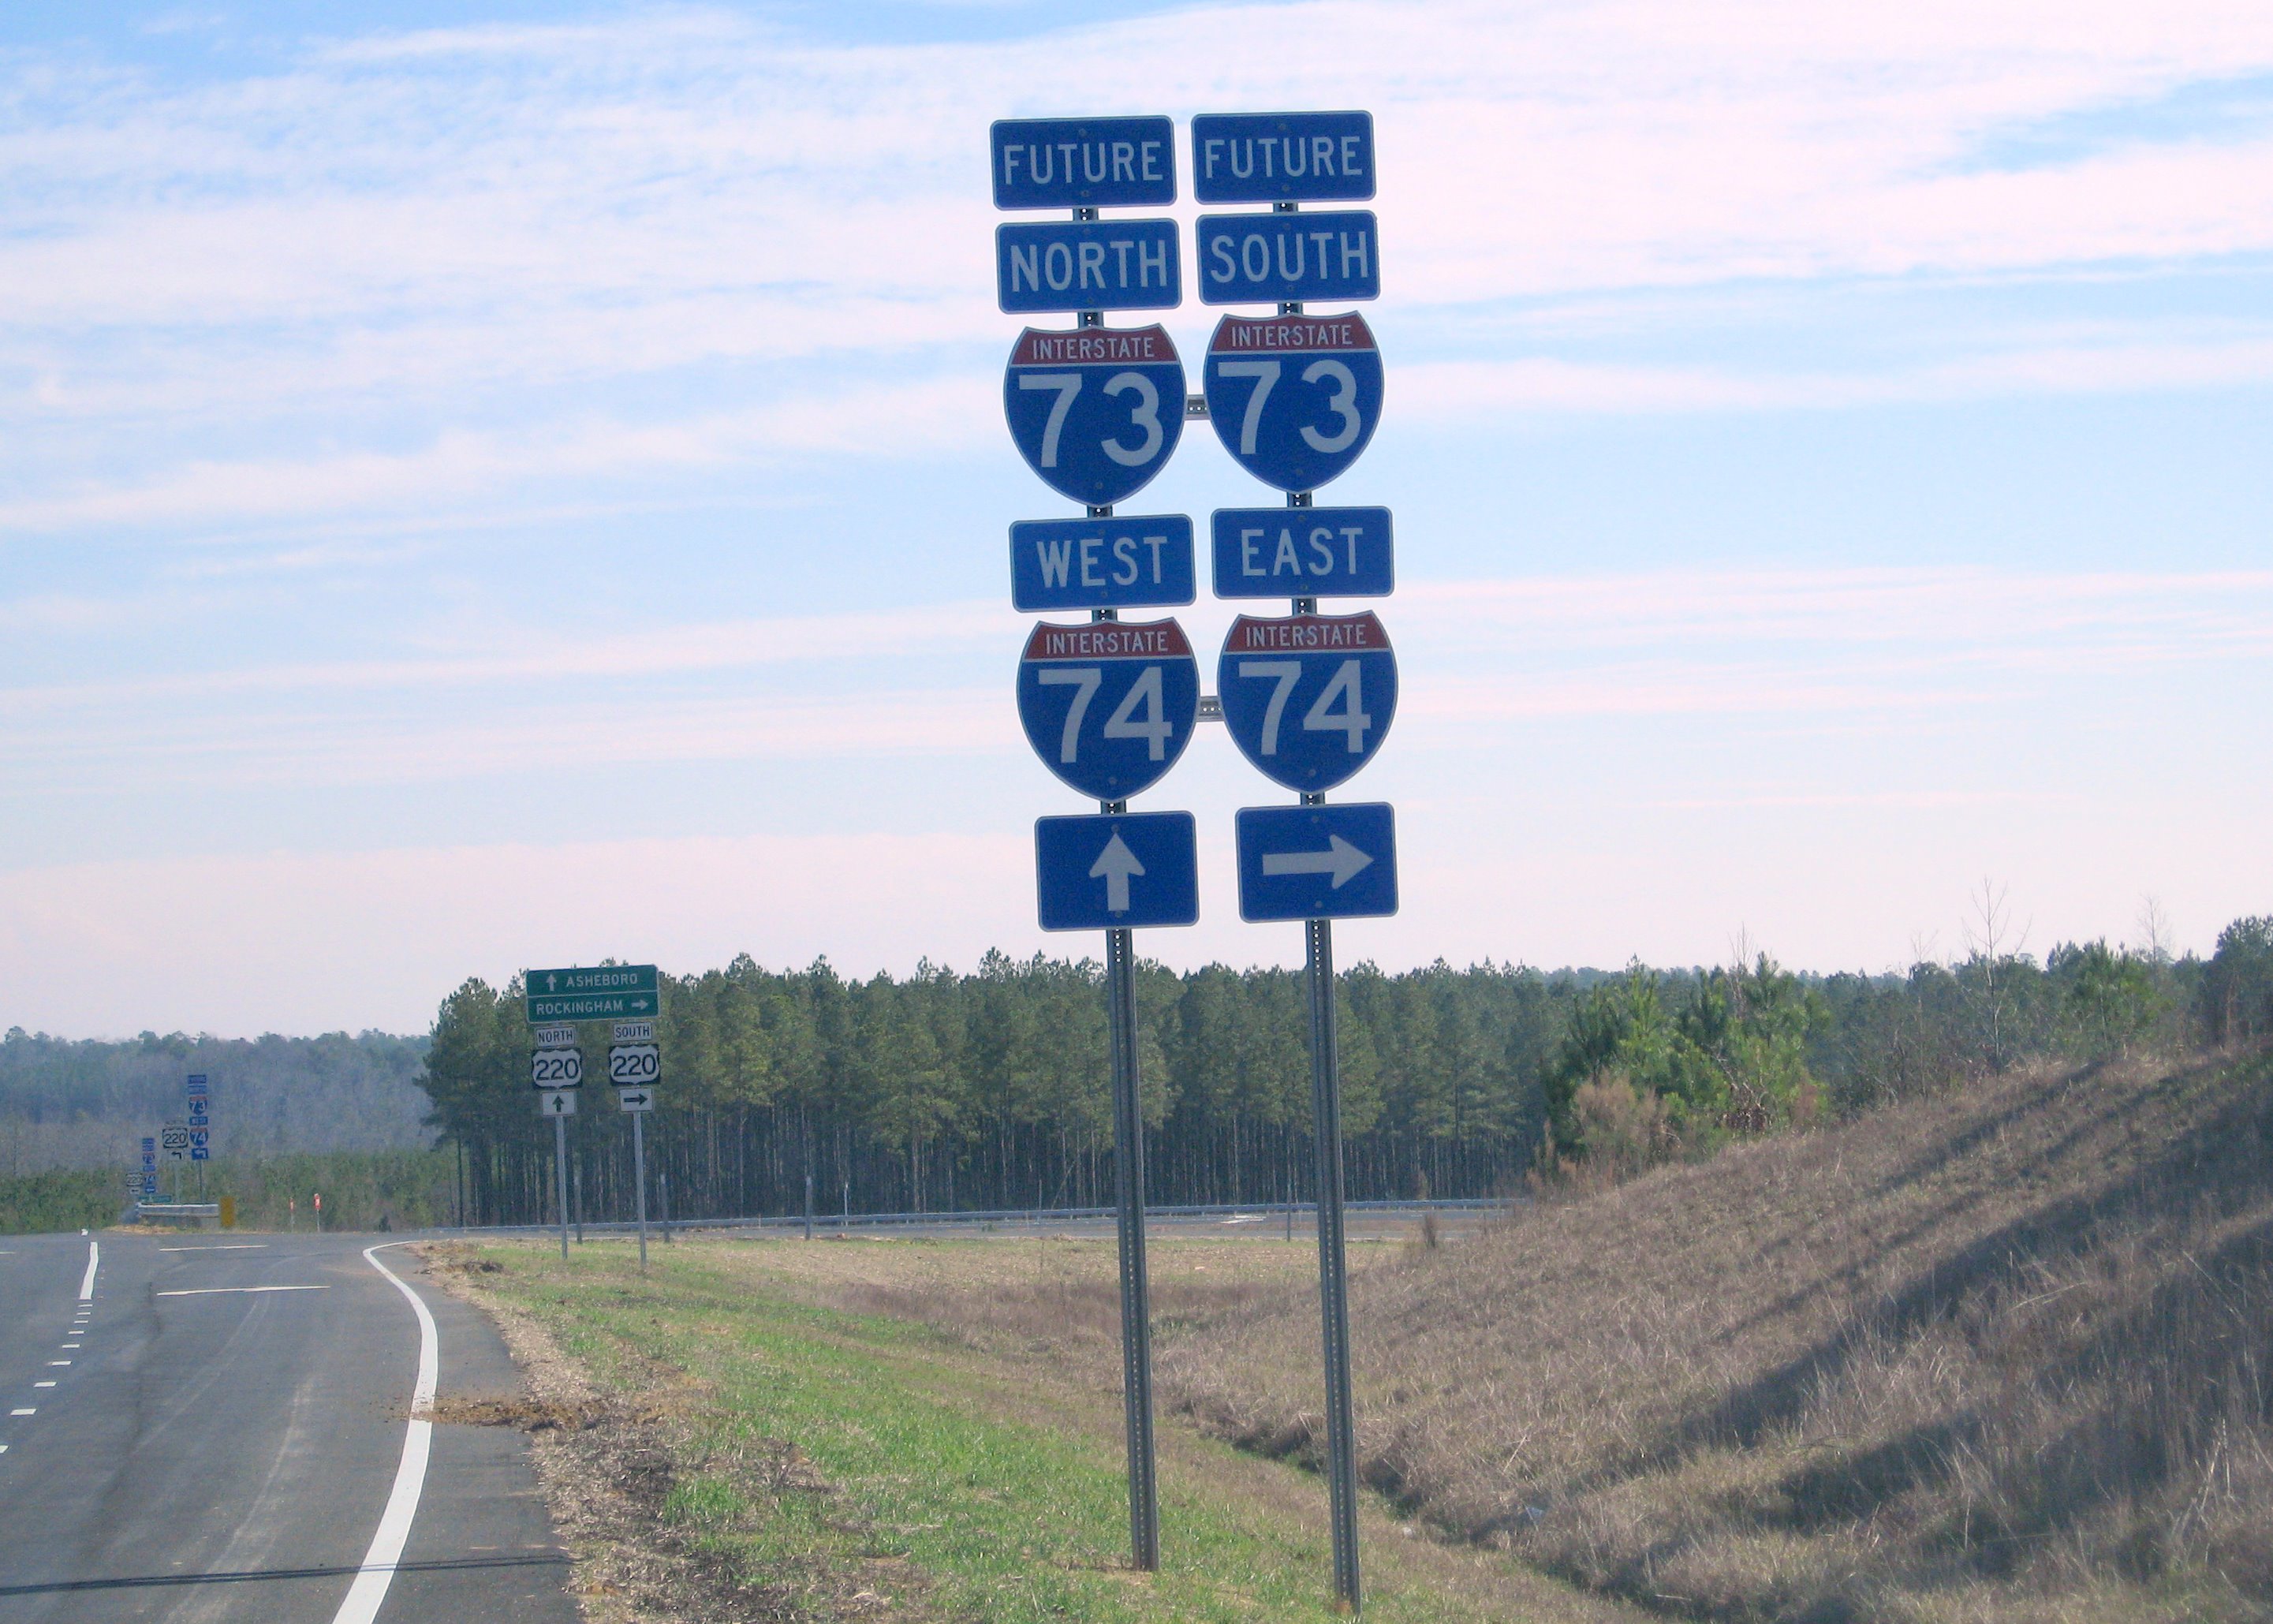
(231,1246)
(377,1572)
(87,1281)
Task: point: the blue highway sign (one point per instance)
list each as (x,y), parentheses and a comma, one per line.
(1062,264)
(1317,863)
(1295,399)
(1094,163)
(1281,157)
(1122,562)
(1264,258)
(1303,553)
(1109,705)
(1115,870)
(1308,698)
(1096,411)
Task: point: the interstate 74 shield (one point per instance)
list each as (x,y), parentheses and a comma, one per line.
(1295,399)
(1109,705)
(1096,411)
(1308,698)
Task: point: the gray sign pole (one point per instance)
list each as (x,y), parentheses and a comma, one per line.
(1333,1271)
(1333,1257)
(1136,1304)
(639,1178)
(1128,1181)
(560,1178)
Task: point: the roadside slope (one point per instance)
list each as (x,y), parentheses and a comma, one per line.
(1999,1354)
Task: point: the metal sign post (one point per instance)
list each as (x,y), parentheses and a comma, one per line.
(635,1066)
(1309,699)
(560,1175)
(1108,707)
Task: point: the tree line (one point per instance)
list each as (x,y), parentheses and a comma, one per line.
(990,1089)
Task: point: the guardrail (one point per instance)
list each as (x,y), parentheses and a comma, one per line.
(1031,1217)
(176,1210)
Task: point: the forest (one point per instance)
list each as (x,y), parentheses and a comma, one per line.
(68,1103)
(988,1090)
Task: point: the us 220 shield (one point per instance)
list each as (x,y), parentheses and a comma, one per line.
(1308,698)
(1109,705)
(1295,399)
(1096,411)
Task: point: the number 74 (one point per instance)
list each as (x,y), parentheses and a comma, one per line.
(1351,721)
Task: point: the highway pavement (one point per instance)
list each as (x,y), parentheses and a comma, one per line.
(213,1427)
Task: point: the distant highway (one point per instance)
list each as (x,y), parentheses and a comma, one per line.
(197,1429)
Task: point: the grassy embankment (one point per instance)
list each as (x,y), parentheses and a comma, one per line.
(411,1189)
(921,1431)
(2000,1356)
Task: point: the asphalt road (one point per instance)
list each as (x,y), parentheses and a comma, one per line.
(217,1431)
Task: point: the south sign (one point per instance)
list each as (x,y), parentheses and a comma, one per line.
(1308,698)
(1295,399)
(1096,411)
(1109,705)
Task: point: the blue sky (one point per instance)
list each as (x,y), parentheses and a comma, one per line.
(521,483)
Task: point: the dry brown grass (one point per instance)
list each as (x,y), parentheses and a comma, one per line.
(2000,1356)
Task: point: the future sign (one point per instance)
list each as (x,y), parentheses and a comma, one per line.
(1096,411)
(1295,399)
(1282,157)
(1086,162)
(1110,705)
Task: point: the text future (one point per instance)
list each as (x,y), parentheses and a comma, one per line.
(1084,163)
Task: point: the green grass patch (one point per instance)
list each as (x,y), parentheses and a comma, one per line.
(962,1486)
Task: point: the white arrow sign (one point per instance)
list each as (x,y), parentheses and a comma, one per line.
(1113,865)
(1341,859)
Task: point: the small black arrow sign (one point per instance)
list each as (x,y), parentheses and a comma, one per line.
(631,1097)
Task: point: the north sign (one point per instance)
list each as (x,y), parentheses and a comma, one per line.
(1109,562)
(1095,411)
(1308,698)
(1295,399)
(1282,157)
(1117,870)
(1303,553)
(1109,705)
(1086,162)
(1070,265)
(1274,257)
(1336,861)
(611,992)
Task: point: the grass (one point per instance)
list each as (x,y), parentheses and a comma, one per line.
(2001,1355)
(959,1456)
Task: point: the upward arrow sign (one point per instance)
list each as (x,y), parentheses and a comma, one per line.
(1113,865)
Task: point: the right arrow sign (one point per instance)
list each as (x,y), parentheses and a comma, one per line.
(1317,863)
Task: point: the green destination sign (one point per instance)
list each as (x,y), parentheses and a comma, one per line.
(612,992)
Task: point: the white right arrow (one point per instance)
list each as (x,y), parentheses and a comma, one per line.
(1341,859)
(1113,865)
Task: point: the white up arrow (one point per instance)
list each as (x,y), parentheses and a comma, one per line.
(1113,865)
(1341,859)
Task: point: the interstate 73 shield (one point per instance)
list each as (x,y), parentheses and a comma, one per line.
(1308,698)
(1096,411)
(1295,399)
(1109,705)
